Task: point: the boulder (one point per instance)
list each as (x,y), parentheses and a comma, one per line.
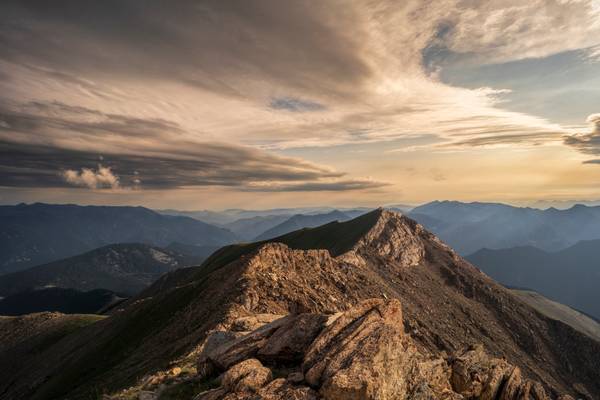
(247,376)
(289,343)
(363,354)
(253,322)
(239,349)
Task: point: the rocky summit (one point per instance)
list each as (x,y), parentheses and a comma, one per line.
(372,308)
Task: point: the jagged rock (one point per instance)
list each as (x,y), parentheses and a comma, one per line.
(247,376)
(475,374)
(280,389)
(253,322)
(531,390)
(360,355)
(511,388)
(290,341)
(394,237)
(283,340)
(240,348)
(205,367)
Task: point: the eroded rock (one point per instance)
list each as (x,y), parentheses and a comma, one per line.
(361,355)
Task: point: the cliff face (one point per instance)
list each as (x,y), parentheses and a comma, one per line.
(447,306)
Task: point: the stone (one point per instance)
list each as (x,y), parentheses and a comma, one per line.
(289,343)
(361,355)
(247,376)
(253,322)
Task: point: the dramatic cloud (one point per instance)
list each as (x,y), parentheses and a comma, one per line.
(220,93)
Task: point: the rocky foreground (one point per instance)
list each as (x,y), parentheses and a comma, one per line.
(362,353)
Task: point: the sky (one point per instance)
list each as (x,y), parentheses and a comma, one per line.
(258,104)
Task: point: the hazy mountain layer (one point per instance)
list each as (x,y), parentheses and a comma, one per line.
(469,227)
(302,221)
(570,276)
(39,233)
(122,268)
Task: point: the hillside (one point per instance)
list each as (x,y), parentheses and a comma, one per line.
(469,227)
(40,233)
(570,276)
(560,312)
(66,301)
(125,268)
(389,261)
(300,221)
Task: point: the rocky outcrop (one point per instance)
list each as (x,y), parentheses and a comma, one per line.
(361,354)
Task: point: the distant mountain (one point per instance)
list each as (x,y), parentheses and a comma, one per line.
(66,301)
(468,227)
(302,221)
(122,268)
(560,312)
(249,228)
(39,233)
(570,276)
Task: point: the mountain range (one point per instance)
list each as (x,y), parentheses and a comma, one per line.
(301,221)
(125,268)
(372,308)
(469,227)
(40,233)
(570,276)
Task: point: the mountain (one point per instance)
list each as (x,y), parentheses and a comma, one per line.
(558,311)
(372,308)
(67,301)
(570,276)
(125,268)
(249,228)
(39,233)
(468,227)
(300,221)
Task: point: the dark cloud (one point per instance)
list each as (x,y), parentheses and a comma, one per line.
(295,105)
(212,44)
(56,149)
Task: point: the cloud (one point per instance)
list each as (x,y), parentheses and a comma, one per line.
(186,95)
(587,143)
(101,178)
(333,186)
(295,105)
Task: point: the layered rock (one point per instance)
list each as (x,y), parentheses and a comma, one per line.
(362,354)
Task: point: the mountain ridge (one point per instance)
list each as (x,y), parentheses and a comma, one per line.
(447,305)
